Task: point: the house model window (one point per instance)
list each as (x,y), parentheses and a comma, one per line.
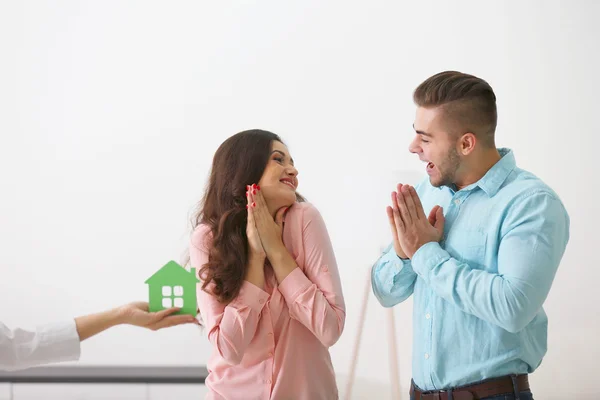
(172,296)
(173,286)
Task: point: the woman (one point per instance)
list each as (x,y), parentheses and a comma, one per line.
(270,293)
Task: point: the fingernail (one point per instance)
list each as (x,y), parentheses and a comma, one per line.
(254,192)
(246,206)
(257,187)
(253,204)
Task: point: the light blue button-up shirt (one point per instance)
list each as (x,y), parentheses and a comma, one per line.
(478,294)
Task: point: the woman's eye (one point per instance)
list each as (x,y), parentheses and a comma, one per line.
(278,159)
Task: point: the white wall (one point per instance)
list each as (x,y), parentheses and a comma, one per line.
(111,112)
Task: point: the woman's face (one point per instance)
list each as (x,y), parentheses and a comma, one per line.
(280,179)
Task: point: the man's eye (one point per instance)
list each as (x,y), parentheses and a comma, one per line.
(424,141)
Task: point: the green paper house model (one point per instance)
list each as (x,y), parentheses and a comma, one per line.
(173,286)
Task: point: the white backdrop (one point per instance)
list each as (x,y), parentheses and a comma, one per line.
(110,113)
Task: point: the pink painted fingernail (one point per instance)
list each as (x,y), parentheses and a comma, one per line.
(254,192)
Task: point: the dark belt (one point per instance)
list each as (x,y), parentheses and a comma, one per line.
(488,388)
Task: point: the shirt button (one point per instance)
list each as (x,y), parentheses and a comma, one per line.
(427,356)
(268,381)
(457,201)
(261,301)
(427,315)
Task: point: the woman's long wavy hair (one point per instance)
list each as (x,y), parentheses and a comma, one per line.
(238,162)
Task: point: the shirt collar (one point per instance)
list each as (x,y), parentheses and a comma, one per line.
(491,182)
(494,178)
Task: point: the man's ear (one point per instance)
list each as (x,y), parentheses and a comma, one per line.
(467,143)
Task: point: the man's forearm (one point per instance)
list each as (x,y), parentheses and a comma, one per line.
(506,301)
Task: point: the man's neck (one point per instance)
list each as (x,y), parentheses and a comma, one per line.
(477,167)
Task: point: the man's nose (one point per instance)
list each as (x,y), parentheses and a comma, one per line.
(413,147)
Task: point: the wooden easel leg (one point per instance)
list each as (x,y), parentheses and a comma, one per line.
(393,350)
(394,372)
(361,322)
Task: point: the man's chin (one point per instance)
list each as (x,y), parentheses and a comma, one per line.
(435,182)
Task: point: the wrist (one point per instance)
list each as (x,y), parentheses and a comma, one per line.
(279,256)
(118,316)
(256,259)
(255,265)
(401,254)
(256,275)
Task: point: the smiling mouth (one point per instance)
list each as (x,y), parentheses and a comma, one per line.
(288,183)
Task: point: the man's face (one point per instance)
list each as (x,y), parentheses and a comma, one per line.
(435,146)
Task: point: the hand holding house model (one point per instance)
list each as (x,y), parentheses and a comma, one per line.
(173,286)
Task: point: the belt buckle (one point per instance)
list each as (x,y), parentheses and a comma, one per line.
(463,395)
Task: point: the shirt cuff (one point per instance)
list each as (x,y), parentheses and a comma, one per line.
(251,296)
(387,268)
(428,257)
(60,342)
(293,285)
(392,257)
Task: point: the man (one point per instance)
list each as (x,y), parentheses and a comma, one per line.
(61,341)
(482,262)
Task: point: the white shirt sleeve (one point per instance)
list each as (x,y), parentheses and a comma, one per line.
(51,343)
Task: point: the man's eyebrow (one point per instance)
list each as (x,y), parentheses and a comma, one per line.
(283,154)
(422,132)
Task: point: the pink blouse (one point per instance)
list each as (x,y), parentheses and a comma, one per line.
(273,343)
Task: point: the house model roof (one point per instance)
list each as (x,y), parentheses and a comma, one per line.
(172,273)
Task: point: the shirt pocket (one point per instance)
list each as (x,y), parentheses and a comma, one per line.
(472,247)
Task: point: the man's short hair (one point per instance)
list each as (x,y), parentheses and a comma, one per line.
(468,103)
